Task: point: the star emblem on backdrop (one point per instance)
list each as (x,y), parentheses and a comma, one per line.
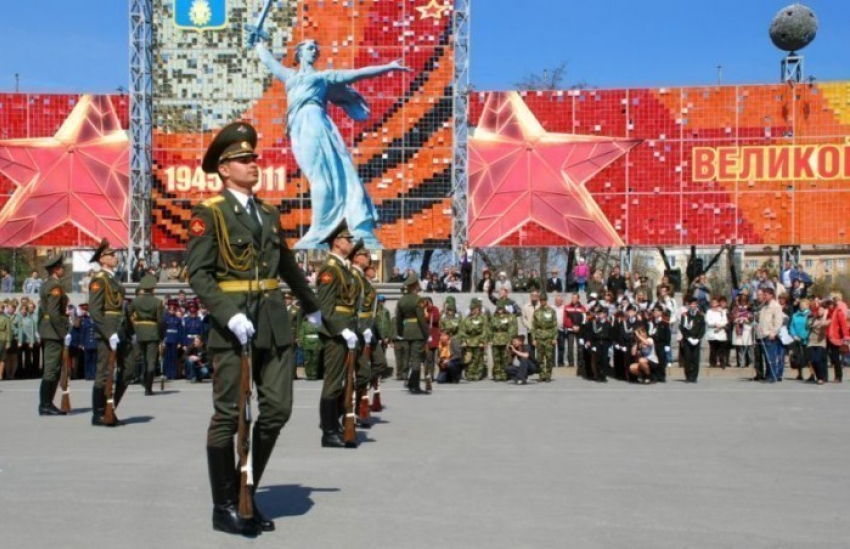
(523,177)
(434,8)
(77,180)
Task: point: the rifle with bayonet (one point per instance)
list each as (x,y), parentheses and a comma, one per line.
(243,437)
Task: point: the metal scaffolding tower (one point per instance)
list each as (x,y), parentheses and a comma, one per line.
(141,129)
(460,102)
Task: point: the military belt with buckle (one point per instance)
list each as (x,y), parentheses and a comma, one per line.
(236,286)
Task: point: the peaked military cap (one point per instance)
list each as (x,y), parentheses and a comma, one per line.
(147,282)
(341,231)
(543,296)
(102,250)
(411,280)
(236,140)
(355,251)
(475,303)
(52,261)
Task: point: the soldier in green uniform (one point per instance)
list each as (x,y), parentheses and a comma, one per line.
(338,294)
(544,330)
(400,348)
(411,324)
(112,332)
(311,347)
(474,336)
(383,323)
(503,327)
(370,364)
(147,315)
(450,319)
(295,321)
(5,336)
(236,253)
(53,330)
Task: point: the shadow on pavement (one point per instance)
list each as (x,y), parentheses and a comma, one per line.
(288,500)
(138,419)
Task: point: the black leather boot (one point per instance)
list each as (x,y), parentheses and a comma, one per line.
(98,406)
(148,383)
(413,383)
(329,418)
(120,388)
(45,400)
(221,463)
(261,451)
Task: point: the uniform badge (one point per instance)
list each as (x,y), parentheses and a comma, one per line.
(197,227)
(56,292)
(326,278)
(95,286)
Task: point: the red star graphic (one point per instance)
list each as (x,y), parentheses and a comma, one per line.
(523,177)
(74,183)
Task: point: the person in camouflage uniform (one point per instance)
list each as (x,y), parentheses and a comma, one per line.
(474,337)
(311,347)
(544,329)
(53,331)
(450,319)
(147,313)
(503,327)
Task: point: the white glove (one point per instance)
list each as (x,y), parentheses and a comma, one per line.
(350,339)
(68,340)
(367,336)
(241,327)
(581,342)
(666,349)
(693,341)
(135,339)
(113,342)
(315,319)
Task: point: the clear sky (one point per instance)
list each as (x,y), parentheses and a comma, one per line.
(81,45)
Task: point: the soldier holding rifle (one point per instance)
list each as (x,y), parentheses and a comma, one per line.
(146,314)
(236,253)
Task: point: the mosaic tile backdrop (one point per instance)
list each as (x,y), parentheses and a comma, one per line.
(203,80)
(650,196)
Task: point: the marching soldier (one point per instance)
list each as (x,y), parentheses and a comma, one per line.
(504,328)
(413,328)
(294,321)
(338,292)
(370,365)
(53,330)
(146,313)
(113,332)
(236,253)
(174,338)
(474,336)
(311,347)
(400,348)
(544,329)
(383,322)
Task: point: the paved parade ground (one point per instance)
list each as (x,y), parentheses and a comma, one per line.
(724,463)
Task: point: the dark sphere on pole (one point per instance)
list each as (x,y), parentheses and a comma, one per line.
(794,27)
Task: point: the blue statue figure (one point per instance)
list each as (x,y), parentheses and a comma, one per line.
(336,191)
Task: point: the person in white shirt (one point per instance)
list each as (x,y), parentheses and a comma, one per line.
(646,357)
(716,320)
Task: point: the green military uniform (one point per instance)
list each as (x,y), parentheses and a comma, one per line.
(311,347)
(106,309)
(450,319)
(400,348)
(384,324)
(474,336)
(544,330)
(52,329)
(5,335)
(147,314)
(503,328)
(236,253)
(295,320)
(413,328)
(368,367)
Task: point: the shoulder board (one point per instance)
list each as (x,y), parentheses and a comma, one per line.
(332,261)
(212,201)
(100,274)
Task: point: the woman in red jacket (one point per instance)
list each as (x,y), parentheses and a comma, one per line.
(837,334)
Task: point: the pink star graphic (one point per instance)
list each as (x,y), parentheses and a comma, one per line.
(523,178)
(74,184)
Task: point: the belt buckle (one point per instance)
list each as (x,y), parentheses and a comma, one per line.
(264,285)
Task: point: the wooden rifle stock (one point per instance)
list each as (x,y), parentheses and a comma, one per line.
(63,380)
(243,438)
(109,390)
(349,435)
